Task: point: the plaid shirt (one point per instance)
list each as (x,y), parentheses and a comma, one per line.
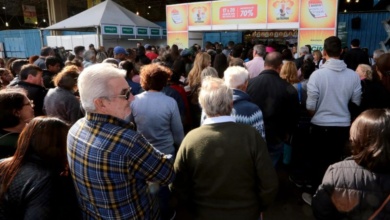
(111,165)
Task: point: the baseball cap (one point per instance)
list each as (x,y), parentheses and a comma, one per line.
(186,52)
(119,50)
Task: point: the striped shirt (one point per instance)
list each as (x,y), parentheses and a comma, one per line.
(111,166)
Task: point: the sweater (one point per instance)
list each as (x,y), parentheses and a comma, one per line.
(350,191)
(157,117)
(329,91)
(224,171)
(245,112)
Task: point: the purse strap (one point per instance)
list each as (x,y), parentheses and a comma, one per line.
(380,208)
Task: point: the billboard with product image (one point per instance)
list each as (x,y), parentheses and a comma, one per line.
(317,17)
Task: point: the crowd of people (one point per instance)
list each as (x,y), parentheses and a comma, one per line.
(197,133)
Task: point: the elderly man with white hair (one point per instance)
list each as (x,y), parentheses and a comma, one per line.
(111,164)
(302,53)
(223,169)
(244,111)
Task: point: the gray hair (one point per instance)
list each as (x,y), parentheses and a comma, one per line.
(304,50)
(93,83)
(377,53)
(208,71)
(215,97)
(367,70)
(89,54)
(236,76)
(100,57)
(260,49)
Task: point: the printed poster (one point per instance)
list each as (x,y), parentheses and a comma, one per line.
(178,38)
(318,13)
(283,11)
(239,12)
(29,14)
(199,14)
(315,38)
(177,17)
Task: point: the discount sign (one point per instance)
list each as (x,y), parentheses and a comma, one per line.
(238,12)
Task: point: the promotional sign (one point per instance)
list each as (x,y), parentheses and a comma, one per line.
(29,14)
(239,12)
(178,38)
(199,14)
(318,13)
(127,30)
(315,38)
(275,34)
(177,17)
(283,11)
(110,29)
(142,31)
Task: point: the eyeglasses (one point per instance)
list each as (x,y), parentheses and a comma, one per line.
(30,102)
(126,95)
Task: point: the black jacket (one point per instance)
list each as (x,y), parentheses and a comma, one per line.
(39,192)
(349,191)
(34,92)
(278,100)
(354,57)
(48,79)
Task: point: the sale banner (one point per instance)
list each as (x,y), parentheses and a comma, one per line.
(178,38)
(283,11)
(199,14)
(239,12)
(318,13)
(315,38)
(177,17)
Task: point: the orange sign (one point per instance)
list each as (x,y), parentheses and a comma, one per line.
(283,11)
(178,38)
(199,14)
(177,17)
(239,12)
(318,13)
(315,38)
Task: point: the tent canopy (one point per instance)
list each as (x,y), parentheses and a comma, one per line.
(107,12)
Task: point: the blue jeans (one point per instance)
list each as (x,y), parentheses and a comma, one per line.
(275,152)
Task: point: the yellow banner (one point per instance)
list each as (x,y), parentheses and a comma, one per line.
(92,3)
(315,38)
(283,11)
(177,17)
(29,14)
(318,13)
(199,14)
(239,12)
(178,38)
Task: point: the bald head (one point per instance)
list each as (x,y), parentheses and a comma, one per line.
(273,61)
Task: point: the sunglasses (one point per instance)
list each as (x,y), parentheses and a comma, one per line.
(126,95)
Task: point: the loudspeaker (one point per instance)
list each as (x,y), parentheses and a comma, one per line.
(356,23)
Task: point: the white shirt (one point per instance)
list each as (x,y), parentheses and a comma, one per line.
(219,119)
(255,66)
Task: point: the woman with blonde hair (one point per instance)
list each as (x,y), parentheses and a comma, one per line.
(289,72)
(202,60)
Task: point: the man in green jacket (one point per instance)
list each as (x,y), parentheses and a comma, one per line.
(223,169)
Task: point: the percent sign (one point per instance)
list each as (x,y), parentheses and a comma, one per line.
(246,13)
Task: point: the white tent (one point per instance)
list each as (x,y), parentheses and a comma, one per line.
(111,21)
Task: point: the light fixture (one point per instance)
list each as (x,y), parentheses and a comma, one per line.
(4,7)
(357,1)
(36,22)
(345,10)
(137,13)
(44,20)
(6,24)
(149,7)
(148,12)
(348,1)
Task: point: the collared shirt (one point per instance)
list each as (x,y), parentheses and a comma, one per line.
(219,119)
(111,166)
(255,66)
